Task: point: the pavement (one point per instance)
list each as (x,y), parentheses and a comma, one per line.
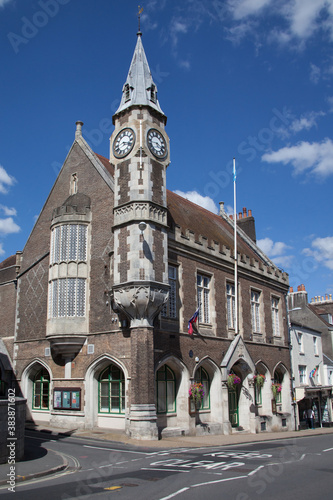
(41,461)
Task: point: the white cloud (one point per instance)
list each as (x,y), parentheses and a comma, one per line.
(330,103)
(5,180)
(244,8)
(303,16)
(8,211)
(300,18)
(315,73)
(236,33)
(3,2)
(306,121)
(270,248)
(177,27)
(316,157)
(276,251)
(322,251)
(8,226)
(202,201)
(2,252)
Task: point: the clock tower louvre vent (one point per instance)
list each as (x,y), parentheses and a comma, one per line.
(127,92)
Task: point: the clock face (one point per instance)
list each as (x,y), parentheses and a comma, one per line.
(123,142)
(156,143)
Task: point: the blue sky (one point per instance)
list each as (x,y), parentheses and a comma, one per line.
(250,79)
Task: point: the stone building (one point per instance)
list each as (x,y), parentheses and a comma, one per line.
(115,266)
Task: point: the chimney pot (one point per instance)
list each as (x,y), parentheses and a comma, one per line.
(221,207)
(250,213)
(303,288)
(330,296)
(291,290)
(240,215)
(299,288)
(244,212)
(326,297)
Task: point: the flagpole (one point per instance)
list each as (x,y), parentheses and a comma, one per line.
(235,249)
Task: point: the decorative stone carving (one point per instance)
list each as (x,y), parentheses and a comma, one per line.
(140,211)
(141,302)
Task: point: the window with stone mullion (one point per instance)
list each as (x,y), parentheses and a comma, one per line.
(231,306)
(203,283)
(275,317)
(255,297)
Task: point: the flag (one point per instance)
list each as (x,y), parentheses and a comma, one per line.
(192,322)
(314,371)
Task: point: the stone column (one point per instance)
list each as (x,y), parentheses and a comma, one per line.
(142,414)
(226,425)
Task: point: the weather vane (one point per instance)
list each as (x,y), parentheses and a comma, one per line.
(139,15)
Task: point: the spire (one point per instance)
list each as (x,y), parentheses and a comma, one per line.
(139,88)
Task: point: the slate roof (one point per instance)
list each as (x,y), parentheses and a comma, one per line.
(140,81)
(189,216)
(10,261)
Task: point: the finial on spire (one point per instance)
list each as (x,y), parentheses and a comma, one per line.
(139,17)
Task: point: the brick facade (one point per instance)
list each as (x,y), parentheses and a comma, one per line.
(123,328)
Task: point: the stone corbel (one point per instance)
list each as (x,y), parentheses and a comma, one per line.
(140,302)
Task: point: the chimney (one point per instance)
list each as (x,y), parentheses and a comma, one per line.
(291,290)
(221,208)
(78,131)
(247,224)
(300,298)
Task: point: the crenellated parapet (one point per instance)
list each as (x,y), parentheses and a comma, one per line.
(225,254)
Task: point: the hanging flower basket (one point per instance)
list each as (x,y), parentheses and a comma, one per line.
(276,389)
(196,393)
(233,380)
(259,380)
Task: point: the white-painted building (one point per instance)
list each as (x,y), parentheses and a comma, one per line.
(312,382)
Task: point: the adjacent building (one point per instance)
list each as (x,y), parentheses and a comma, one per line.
(100,298)
(312,369)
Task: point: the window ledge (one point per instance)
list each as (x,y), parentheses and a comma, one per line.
(72,413)
(109,414)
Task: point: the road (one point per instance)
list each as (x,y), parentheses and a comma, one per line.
(291,468)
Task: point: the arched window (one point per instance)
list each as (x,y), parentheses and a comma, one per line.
(41,390)
(202,377)
(111,390)
(166,390)
(278,379)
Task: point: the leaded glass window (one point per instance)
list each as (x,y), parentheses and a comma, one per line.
(67,298)
(69,243)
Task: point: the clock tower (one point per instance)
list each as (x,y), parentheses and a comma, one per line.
(139,151)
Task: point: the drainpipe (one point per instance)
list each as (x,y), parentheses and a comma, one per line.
(294,404)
